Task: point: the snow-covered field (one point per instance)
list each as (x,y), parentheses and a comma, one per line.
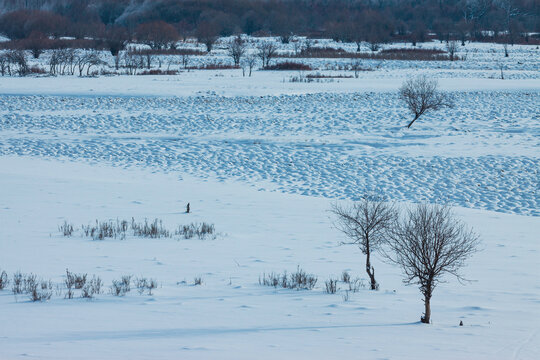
(263,159)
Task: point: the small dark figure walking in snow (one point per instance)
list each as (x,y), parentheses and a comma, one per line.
(187,208)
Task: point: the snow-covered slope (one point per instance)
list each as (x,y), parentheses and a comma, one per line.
(230,316)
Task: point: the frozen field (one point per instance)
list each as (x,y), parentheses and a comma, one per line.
(263,159)
(481,154)
(230,316)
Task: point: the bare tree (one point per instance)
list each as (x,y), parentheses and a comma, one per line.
(207,34)
(266,51)
(501,68)
(132,62)
(366,224)
(63,61)
(249,62)
(451,49)
(236,49)
(421,95)
(18,57)
(4,64)
(88,60)
(428,243)
(184,60)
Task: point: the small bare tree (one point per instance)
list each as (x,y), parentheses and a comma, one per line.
(249,62)
(236,48)
(184,60)
(427,244)
(266,51)
(421,95)
(366,224)
(451,49)
(18,57)
(132,62)
(4,64)
(500,65)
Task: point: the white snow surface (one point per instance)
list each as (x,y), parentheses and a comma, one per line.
(231,316)
(264,159)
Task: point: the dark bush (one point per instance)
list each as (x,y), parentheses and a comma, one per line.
(213,66)
(180,51)
(157,34)
(158,72)
(289,65)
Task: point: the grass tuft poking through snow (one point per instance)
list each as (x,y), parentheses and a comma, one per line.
(331,286)
(29,284)
(112,229)
(4,280)
(298,280)
(91,288)
(145,285)
(121,287)
(202,231)
(66,229)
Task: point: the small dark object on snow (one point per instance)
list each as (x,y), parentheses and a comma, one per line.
(187,208)
(461,323)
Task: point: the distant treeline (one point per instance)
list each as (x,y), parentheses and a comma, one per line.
(344,20)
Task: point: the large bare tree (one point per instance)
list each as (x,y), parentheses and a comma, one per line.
(266,50)
(366,224)
(421,95)
(236,48)
(428,243)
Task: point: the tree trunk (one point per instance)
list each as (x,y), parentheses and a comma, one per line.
(427,311)
(370,271)
(415,117)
